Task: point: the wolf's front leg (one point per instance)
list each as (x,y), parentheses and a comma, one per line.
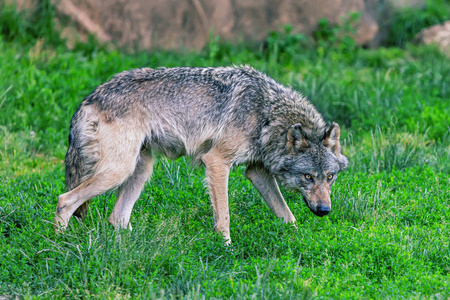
(269,190)
(217,172)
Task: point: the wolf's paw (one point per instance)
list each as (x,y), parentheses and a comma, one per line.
(59,224)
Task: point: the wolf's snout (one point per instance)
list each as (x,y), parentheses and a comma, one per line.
(322,210)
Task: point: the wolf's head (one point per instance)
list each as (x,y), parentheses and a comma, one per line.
(311,166)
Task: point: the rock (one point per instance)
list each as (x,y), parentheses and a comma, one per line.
(438,34)
(174,24)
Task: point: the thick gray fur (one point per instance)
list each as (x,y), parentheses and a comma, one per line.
(218,116)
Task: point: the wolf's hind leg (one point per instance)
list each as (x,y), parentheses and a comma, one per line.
(111,171)
(269,190)
(217,172)
(94,186)
(130,191)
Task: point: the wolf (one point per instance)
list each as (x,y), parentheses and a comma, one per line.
(219,117)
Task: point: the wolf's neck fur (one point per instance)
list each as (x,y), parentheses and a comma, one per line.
(285,108)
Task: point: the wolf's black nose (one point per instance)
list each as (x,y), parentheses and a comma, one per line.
(322,210)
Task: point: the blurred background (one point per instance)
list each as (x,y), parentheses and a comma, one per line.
(370,65)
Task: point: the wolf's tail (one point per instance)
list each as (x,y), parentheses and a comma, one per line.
(82,155)
(74,173)
(73,162)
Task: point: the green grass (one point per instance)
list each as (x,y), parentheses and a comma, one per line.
(386,238)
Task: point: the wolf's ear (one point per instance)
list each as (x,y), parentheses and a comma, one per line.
(332,138)
(331,141)
(295,138)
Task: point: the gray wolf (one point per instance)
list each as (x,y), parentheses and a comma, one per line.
(218,116)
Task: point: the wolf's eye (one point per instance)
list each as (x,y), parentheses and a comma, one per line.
(308,177)
(330,176)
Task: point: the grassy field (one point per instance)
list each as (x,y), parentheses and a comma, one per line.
(388,235)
